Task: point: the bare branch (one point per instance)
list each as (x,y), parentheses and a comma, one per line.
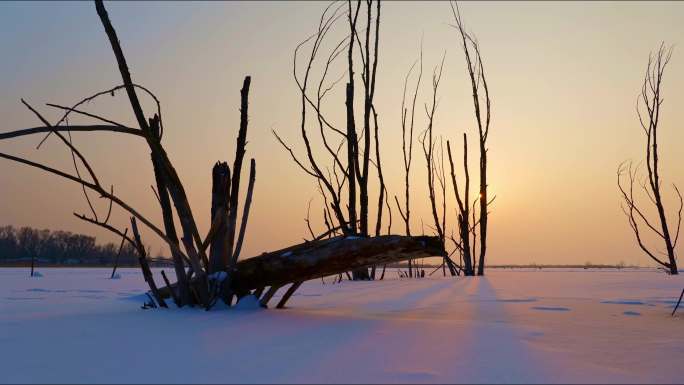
(245,211)
(71,128)
(88,114)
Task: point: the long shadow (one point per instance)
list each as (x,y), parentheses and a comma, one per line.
(496,346)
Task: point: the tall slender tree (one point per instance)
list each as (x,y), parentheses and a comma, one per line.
(407,126)
(482,110)
(648,106)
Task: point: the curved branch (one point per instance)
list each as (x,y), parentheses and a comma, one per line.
(88,114)
(66,142)
(78,174)
(294,157)
(679,215)
(629,200)
(72,128)
(106,226)
(109,91)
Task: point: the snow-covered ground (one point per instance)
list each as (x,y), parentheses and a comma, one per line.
(77,325)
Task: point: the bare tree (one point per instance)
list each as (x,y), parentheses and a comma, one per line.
(648,106)
(464,230)
(369,62)
(407,146)
(434,162)
(354,169)
(482,109)
(428,143)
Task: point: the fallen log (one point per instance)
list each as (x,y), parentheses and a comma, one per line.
(327,257)
(316,259)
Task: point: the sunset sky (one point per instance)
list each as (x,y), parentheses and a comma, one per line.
(563,77)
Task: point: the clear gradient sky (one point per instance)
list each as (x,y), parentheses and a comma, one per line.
(563,76)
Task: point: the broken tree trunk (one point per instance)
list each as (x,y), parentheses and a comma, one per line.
(220,190)
(237,170)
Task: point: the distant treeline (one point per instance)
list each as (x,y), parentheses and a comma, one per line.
(18,246)
(587,265)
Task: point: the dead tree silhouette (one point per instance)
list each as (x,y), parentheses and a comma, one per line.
(434,162)
(651,99)
(463,217)
(350,174)
(482,109)
(219,275)
(407,147)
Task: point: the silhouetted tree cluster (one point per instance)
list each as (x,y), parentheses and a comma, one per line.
(471,262)
(207,267)
(353,149)
(343,180)
(60,247)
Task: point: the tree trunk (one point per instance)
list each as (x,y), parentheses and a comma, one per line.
(219,252)
(351,157)
(312,260)
(170,229)
(483,207)
(237,170)
(672,265)
(323,258)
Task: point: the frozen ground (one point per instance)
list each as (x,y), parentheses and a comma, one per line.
(76,325)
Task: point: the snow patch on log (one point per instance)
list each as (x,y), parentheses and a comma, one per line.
(218,276)
(248,302)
